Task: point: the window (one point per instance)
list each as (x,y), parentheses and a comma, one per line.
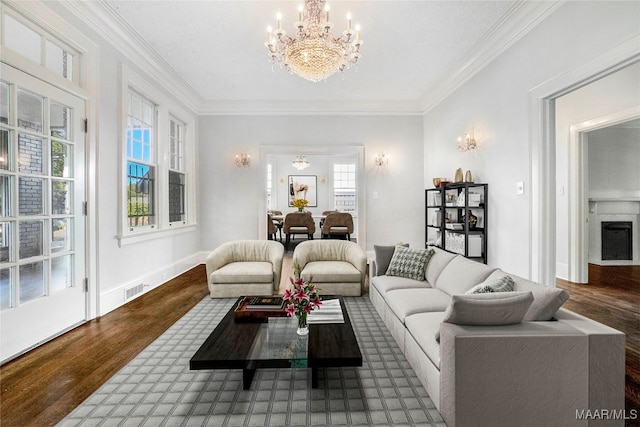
(344,186)
(177,171)
(269,185)
(39,47)
(157,188)
(141,167)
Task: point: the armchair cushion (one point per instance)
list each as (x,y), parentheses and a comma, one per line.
(331,271)
(243,272)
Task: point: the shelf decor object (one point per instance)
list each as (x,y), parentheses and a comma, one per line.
(456,218)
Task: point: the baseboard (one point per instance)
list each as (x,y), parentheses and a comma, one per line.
(115,297)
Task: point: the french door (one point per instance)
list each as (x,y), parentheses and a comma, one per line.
(42,226)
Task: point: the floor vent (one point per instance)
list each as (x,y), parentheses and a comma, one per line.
(133,291)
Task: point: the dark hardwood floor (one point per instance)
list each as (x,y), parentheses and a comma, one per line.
(612,297)
(42,386)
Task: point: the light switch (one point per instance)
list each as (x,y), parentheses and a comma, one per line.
(520,187)
(375,195)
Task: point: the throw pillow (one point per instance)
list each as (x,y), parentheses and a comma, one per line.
(383,257)
(489,309)
(546,301)
(409,263)
(497,284)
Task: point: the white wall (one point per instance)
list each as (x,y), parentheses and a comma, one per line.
(496,103)
(152,262)
(230,197)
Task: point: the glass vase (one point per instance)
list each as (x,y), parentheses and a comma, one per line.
(303,328)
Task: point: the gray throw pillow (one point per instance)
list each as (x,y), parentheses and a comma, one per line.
(496,284)
(489,309)
(409,263)
(383,257)
(546,301)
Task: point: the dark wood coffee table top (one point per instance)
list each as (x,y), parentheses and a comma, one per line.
(232,345)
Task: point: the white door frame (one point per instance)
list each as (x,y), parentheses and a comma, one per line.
(542,151)
(578,188)
(293,150)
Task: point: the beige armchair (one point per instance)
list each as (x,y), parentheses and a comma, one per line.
(337,224)
(298,223)
(244,267)
(338,266)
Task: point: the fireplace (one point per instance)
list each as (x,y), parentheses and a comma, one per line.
(616,240)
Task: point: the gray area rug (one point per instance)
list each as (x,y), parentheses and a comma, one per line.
(158,389)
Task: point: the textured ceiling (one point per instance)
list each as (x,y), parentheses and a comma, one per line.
(217,46)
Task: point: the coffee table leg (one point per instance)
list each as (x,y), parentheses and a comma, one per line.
(247,377)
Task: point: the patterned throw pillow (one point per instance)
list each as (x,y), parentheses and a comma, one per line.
(409,263)
(499,284)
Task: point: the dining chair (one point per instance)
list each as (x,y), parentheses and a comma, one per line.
(337,224)
(298,223)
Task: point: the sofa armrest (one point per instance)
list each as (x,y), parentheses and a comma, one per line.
(514,374)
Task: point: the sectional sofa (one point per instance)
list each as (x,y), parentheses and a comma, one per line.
(497,358)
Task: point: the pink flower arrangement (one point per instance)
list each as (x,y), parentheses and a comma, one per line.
(302,298)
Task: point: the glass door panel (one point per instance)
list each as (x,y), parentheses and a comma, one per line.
(41,222)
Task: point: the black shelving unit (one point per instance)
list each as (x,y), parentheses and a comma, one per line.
(456,219)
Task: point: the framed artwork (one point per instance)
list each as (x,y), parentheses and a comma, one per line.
(303,187)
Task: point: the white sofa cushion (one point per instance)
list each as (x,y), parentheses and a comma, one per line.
(424,327)
(331,271)
(439,260)
(462,274)
(405,302)
(243,272)
(409,263)
(385,284)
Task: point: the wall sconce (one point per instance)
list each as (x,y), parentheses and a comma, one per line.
(243,160)
(468,143)
(381,160)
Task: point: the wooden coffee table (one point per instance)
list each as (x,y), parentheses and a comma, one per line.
(272,342)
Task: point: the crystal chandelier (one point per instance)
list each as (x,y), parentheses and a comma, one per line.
(300,163)
(313,52)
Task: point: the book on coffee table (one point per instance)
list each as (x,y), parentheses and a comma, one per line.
(329,312)
(265,303)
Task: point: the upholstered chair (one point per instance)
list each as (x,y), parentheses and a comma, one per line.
(244,267)
(298,223)
(337,266)
(279,222)
(271,228)
(337,224)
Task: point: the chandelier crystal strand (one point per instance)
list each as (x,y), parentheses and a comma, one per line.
(314,53)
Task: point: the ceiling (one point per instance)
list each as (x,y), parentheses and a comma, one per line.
(410,50)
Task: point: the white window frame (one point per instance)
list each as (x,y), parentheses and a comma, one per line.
(339,186)
(166,109)
(177,160)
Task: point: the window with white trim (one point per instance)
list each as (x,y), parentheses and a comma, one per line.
(177,173)
(344,187)
(269,185)
(38,46)
(157,157)
(141,164)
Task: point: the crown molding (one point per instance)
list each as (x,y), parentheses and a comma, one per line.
(521,18)
(101,17)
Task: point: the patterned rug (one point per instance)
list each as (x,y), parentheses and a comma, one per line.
(158,389)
